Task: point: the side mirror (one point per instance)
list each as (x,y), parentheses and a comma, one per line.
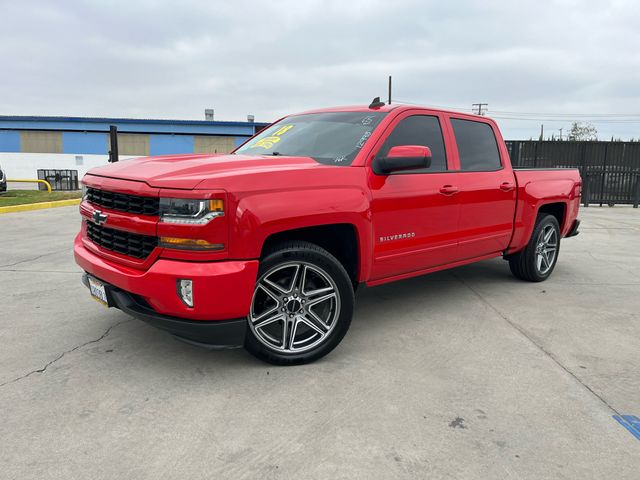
(402,157)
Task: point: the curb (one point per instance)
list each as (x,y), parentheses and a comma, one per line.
(39,206)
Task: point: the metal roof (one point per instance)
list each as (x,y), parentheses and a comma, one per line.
(128,125)
(37,118)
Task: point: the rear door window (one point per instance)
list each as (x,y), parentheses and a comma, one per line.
(477,146)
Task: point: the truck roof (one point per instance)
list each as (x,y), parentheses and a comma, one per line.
(388,108)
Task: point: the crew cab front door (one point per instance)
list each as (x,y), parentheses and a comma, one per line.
(414,213)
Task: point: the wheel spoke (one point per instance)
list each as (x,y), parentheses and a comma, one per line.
(297,278)
(318,291)
(257,324)
(313,321)
(272,288)
(545,260)
(302,280)
(547,235)
(264,315)
(289,333)
(324,298)
(539,261)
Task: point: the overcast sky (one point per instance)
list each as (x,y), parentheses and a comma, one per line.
(172,59)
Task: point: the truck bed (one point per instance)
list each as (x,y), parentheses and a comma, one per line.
(539,186)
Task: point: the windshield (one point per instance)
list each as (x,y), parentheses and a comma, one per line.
(333,138)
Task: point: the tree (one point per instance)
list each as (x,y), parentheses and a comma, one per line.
(583,132)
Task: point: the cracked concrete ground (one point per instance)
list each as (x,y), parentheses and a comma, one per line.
(461,374)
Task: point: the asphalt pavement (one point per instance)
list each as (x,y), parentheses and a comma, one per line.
(468,373)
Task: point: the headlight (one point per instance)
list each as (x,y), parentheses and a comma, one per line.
(85,189)
(190,211)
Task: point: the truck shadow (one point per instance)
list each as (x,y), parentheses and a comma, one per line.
(426,294)
(427,298)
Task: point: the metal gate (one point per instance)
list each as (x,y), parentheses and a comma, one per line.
(59,179)
(610,170)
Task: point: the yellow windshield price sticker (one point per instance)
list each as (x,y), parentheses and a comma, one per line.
(267,142)
(282,130)
(270,141)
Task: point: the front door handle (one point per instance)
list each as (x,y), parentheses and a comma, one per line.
(449,190)
(507,186)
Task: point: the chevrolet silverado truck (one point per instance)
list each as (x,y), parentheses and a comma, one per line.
(265,247)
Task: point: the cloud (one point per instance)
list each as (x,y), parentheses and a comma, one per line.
(173,59)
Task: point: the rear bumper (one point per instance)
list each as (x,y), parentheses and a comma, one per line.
(574,229)
(221,290)
(215,334)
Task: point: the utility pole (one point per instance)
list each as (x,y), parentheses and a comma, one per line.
(541,131)
(113,137)
(479,108)
(389,89)
(560,133)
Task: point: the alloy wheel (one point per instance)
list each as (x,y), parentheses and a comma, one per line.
(546,249)
(295,307)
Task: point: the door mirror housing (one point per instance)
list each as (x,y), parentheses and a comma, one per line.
(401,158)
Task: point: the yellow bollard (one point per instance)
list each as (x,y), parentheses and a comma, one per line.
(32,181)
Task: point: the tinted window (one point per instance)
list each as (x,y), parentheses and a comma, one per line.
(477,145)
(334,138)
(419,130)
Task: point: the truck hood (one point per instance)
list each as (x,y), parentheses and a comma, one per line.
(187,171)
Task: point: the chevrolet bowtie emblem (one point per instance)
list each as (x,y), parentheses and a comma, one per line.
(99,217)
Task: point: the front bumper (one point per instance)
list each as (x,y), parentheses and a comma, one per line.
(221,290)
(215,334)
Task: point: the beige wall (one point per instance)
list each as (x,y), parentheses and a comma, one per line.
(40,142)
(213,144)
(132,144)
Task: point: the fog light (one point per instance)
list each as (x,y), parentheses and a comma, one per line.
(185,291)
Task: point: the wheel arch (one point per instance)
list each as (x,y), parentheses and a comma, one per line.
(337,219)
(342,240)
(550,196)
(556,209)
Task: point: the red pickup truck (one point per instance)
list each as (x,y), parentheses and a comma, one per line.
(265,247)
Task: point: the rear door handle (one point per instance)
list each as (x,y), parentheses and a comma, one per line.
(507,186)
(449,190)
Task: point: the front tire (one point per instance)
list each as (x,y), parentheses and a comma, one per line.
(536,262)
(302,305)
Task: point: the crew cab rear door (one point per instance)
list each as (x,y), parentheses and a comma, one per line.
(487,187)
(415,212)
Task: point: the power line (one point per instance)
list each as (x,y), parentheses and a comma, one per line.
(549,114)
(568,119)
(545,116)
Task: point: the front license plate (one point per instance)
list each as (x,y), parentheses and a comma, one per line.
(98,292)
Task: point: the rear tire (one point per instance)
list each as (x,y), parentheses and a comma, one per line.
(536,262)
(301,307)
